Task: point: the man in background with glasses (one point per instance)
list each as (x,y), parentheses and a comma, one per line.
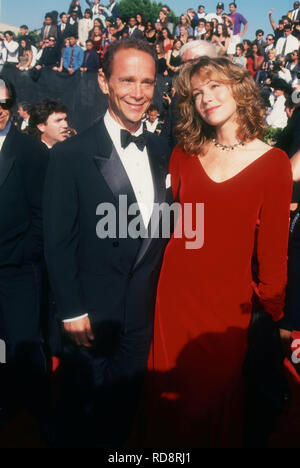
(23,163)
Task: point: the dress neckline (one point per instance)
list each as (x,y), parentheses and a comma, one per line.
(236,175)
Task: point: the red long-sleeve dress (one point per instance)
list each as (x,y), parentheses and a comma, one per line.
(204,300)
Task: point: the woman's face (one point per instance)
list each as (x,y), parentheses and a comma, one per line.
(67,43)
(97,31)
(213,100)
(138,18)
(246,45)
(219,29)
(23,44)
(238,51)
(165,34)
(177,45)
(158,48)
(208,27)
(149,25)
(254,49)
(96,22)
(182,19)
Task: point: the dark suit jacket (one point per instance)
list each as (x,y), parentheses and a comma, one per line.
(93,61)
(52,31)
(23,163)
(137,34)
(112,279)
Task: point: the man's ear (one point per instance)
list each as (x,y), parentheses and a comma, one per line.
(41,127)
(103,82)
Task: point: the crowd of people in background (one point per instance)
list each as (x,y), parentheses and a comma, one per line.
(77,39)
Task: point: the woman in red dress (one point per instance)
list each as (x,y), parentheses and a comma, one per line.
(204,298)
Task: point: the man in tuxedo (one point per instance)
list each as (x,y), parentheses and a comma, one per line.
(104,283)
(23,163)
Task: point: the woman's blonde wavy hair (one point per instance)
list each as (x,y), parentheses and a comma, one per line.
(191,130)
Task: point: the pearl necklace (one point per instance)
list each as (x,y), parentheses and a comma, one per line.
(227,147)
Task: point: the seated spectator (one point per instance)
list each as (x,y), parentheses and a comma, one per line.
(25,55)
(65,46)
(200,29)
(209,29)
(277,117)
(255,61)
(269,44)
(239,58)
(288,43)
(221,37)
(121,27)
(50,57)
(269,62)
(96,38)
(161,59)
(75,6)
(173,58)
(73,57)
(150,33)
(141,22)
(247,47)
(283,72)
(49,28)
(72,25)
(101,15)
(158,32)
(91,61)
(293,63)
(12,48)
(62,28)
(184,20)
(133,31)
(85,25)
(167,39)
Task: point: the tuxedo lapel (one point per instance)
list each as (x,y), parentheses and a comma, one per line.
(111,168)
(158,171)
(7,159)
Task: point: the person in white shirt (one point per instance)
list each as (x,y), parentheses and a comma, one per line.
(284,73)
(85,25)
(287,44)
(3,52)
(277,117)
(152,121)
(218,14)
(12,47)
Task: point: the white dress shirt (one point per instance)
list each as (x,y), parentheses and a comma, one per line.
(292,44)
(3,134)
(12,48)
(137,167)
(277,118)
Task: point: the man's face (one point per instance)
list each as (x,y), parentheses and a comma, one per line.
(270,40)
(89,45)
(259,36)
(152,116)
(232,9)
(21,112)
(4,113)
(48,21)
(130,87)
(74,15)
(132,22)
(201,10)
(55,129)
(64,19)
(23,31)
(287,32)
(72,41)
(8,37)
(52,41)
(219,11)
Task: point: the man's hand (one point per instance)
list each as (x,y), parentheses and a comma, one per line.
(80,332)
(271,11)
(71,71)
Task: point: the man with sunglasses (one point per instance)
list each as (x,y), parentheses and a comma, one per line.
(23,163)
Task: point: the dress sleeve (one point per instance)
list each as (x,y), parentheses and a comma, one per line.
(273,233)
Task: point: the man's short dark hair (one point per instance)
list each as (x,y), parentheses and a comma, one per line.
(49,15)
(124,44)
(41,111)
(233,3)
(153,107)
(24,26)
(25,106)
(62,14)
(259,31)
(10,33)
(10,88)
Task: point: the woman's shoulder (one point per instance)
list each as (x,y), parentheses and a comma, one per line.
(179,156)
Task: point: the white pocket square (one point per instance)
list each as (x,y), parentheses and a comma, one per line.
(168,181)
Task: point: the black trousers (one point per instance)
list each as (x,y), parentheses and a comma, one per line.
(23,376)
(101,387)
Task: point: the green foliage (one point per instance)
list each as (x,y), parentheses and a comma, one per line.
(34,37)
(148,8)
(272,135)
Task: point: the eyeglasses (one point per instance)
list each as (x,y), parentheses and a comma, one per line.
(6,104)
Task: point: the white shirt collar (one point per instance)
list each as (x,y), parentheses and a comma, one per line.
(114,129)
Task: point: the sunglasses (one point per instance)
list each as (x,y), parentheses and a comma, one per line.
(6,104)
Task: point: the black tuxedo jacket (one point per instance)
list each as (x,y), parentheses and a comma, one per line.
(23,164)
(113,280)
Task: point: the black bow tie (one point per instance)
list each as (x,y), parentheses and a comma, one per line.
(127,138)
